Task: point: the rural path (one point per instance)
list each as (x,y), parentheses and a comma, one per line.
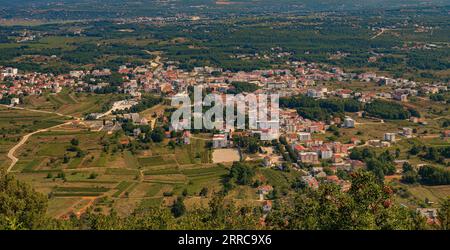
(24,139)
(378,34)
(11,152)
(36,110)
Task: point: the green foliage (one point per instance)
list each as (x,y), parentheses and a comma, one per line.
(430,175)
(380,165)
(157,135)
(321,109)
(239,87)
(178,209)
(410,175)
(241,173)
(387,110)
(20,206)
(367,205)
(444,214)
(249,144)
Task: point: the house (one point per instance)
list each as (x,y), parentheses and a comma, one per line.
(429,213)
(298,147)
(9,72)
(265,190)
(310,181)
(76,73)
(314,143)
(303,136)
(407,132)
(337,158)
(401,97)
(326,153)
(389,137)
(136,132)
(356,164)
(94,116)
(135,117)
(333,179)
(220,141)
(355,141)
(316,170)
(15,101)
(267,206)
(308,157)
(269,161)
(187,137)
(349,122)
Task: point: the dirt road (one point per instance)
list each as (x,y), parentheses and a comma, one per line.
(24,139)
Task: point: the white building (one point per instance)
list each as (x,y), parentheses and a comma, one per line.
(15,101)
(303,136)
(309,157)
(407,132)
(349,122)
(10,72)
(326,153)
(389,137)
(220,141)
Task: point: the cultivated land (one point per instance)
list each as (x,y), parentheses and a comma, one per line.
(385,71)
(122,180)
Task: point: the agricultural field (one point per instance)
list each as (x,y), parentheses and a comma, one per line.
(14,123)
(420,195)
(70,103)
(89,176)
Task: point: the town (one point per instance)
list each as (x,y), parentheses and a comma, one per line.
(358,125)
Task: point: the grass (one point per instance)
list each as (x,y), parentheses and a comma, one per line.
(154,190)
(275,177)
(433,193)
(82,189)
(76,194)
(65,102)
(130,160)
(156,160)
(164,169)
(124,185)
(121,171)
(150,202)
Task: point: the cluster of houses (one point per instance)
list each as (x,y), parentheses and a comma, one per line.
(168,79)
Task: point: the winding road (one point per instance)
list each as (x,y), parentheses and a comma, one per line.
(25,138)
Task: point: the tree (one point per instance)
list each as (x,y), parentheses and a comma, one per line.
(242,173)
(74,142)
(204,192)
(178,208)
(387,110)
(444,214)
(430,175)
(367,205)
(157,135)
(20,206)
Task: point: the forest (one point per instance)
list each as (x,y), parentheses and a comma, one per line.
(320,109)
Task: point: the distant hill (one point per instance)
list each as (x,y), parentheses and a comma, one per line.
(86,9)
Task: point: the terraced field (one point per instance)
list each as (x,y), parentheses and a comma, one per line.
(15,123)
(75,104)
(85,175)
